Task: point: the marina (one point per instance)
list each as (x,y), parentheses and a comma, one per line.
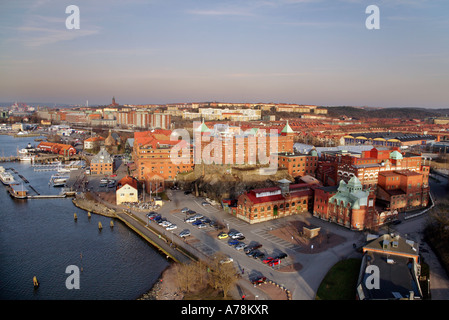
(40,239)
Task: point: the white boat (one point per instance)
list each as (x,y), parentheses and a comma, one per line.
(62,169)
(58,180)
(6,178)
(26,157)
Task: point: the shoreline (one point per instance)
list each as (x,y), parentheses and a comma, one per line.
(165,285)
(164,288)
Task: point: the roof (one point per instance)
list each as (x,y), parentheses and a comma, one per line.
(407,247)
(156,137)
(102,157)
(127,180)
(396,275)
(95,139)
(287,129)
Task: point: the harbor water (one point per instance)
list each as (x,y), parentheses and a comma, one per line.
(40,237)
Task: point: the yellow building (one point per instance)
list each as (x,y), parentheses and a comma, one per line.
(127,190)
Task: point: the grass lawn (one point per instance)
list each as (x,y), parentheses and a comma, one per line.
(340,282)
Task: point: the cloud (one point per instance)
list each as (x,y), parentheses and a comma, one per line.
(38,36)
(40,30)
(223,12)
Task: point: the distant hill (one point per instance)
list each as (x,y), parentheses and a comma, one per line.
(402,113)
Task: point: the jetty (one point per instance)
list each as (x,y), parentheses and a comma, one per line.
(9,159)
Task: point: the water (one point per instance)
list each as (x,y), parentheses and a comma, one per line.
(41,238)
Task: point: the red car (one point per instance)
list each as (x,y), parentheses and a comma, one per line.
(267,260)
(274,262)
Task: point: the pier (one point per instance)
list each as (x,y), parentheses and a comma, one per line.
(9,159)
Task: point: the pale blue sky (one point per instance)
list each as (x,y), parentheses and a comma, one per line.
(164,51)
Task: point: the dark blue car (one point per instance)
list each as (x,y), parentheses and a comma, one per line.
(233,242)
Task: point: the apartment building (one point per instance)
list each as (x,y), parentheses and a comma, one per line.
(152,154)
(143,119)
(231,145)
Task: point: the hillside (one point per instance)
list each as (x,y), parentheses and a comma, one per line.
(402,113)
(219,182)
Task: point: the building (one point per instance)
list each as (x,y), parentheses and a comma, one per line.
(265,204)
(127,190)
(143,119)
(298,164)
(351,206)
(93,142)
(403,190)
(368,166)
(398,269)
(218,114)
(102,163)
(152,153)
(56,148)
(225,145)
(388,139)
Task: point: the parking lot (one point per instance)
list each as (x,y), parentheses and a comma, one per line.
(211,230)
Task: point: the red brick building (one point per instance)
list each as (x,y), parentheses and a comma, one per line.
(297,164)
(57,148)
(265,204)
(403,190)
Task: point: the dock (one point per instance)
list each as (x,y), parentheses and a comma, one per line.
(47,196)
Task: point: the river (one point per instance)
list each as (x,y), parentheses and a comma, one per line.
(41,238)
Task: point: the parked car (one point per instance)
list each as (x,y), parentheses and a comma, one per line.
(226,260)
(201,226)
(268,260)
(151,215)
(205,220)
(240,246)
(184,209)
(258,255)
(274,262)
(171,227)
(236,235)
(204,203)
(197,222)
(184,233)
(191,219)
(259,280)
(166,223)
(222,235)
(282,255)
(233,242)
(198,216)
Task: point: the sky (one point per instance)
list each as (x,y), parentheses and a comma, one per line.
(316,52)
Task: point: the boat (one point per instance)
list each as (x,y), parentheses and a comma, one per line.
(6,177)
(62,169)
(18,191)
(26,157)
(58,180)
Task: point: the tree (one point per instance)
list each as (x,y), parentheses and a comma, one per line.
(223,275)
